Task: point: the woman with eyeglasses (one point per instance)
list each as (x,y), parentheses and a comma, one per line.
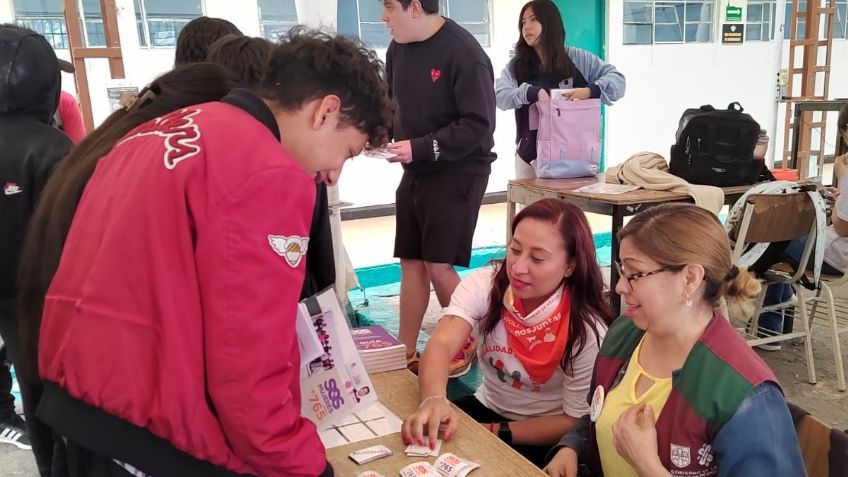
(676,389)
(541,316)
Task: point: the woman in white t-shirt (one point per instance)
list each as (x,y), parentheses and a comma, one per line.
(540,317)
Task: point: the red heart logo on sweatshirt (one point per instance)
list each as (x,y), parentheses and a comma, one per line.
(435,73)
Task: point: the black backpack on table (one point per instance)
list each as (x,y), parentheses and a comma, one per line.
(716,147)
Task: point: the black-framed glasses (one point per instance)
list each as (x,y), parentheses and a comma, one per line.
(631,279)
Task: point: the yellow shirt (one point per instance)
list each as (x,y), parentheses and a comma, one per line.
(620,399)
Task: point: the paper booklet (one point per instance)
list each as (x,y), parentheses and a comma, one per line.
(606,188)
(334,382)
(379,350)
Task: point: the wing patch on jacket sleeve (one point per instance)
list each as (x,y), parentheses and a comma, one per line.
(292,248)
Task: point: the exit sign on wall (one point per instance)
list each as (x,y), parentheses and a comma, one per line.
(733,14)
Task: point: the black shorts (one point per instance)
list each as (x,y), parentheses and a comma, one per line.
(436,216)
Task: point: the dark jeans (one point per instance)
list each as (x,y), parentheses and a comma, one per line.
(773,320)
(482,414)
(40,436)
(779,293)
(7,400)
(8,352)
(79,462)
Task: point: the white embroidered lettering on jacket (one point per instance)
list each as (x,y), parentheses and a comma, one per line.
(180,132)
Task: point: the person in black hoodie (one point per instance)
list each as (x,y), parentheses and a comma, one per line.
(30,85)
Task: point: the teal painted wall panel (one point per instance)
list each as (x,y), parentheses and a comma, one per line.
(584,24)
(584,28)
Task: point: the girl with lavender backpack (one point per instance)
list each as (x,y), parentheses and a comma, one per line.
(542,63)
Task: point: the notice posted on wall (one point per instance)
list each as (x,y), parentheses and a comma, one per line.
(732,33)
(116,93)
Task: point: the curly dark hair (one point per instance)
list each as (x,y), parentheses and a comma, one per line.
(309,64)
(429,6)
(243,56)
(198,35)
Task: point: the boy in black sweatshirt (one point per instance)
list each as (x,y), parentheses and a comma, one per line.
(443,83)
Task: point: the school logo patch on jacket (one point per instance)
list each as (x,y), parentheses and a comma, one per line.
(292,248)
(680,456)
(180,132)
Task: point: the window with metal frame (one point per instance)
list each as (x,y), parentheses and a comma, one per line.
(276,18)
(647,22)
(759,20)
(372,31)
(46,18)
(159,22)
(801,21)
(473,15)
(92,26)
(840,22)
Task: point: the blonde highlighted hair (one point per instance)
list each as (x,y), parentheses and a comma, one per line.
(675,235)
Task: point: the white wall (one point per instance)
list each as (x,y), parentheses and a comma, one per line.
(142,65)
(6,11)
(662,81)
(243,13)
(368,181)
(364,181)
(318,13)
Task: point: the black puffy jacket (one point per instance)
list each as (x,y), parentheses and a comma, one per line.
(30,84)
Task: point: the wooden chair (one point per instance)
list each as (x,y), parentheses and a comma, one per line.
(770,218)
(824,450)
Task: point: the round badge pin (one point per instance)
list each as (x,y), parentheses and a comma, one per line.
(597,403)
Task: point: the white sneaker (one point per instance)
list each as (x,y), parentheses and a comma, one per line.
(15,434)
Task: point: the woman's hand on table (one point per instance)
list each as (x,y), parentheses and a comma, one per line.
(634,435)
(564,464)
(432,414)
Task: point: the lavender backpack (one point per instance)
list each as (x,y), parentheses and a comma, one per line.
(568,143)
